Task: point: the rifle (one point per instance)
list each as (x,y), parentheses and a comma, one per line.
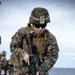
(33,66)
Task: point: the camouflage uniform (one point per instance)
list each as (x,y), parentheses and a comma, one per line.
(44,46)
(0,63)
(4,64)
(11,68)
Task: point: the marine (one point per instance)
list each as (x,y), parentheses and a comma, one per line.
(0,63)
(10,64)
(44,44)
(4,64)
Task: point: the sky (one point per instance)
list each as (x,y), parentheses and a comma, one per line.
(15,14)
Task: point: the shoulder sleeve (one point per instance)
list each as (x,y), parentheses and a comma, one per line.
(16,43)
(51,54)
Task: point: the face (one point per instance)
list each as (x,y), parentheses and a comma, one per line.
(39,29)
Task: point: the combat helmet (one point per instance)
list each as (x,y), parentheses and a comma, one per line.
(3,53)
(39,15)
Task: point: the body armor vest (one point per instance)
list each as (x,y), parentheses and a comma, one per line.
(5,64)
(38,43)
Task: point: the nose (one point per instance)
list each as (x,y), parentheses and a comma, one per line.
(40,28)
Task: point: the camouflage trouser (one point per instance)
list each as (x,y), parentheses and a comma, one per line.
(11,71)
(19,72)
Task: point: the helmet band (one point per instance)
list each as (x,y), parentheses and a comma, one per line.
(38,18)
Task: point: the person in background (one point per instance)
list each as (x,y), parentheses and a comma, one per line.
(44,43)
(4,64)
(0,63)
(10,63)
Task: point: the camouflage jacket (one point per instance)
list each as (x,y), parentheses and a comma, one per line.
(50,55)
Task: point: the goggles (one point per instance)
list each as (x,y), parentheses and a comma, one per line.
(40,25)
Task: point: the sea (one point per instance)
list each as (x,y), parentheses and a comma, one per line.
(62,71)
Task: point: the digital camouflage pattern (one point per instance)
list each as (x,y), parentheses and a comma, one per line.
(4,65)
(46,46)
(0,63)
(10,65)
(39,16)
